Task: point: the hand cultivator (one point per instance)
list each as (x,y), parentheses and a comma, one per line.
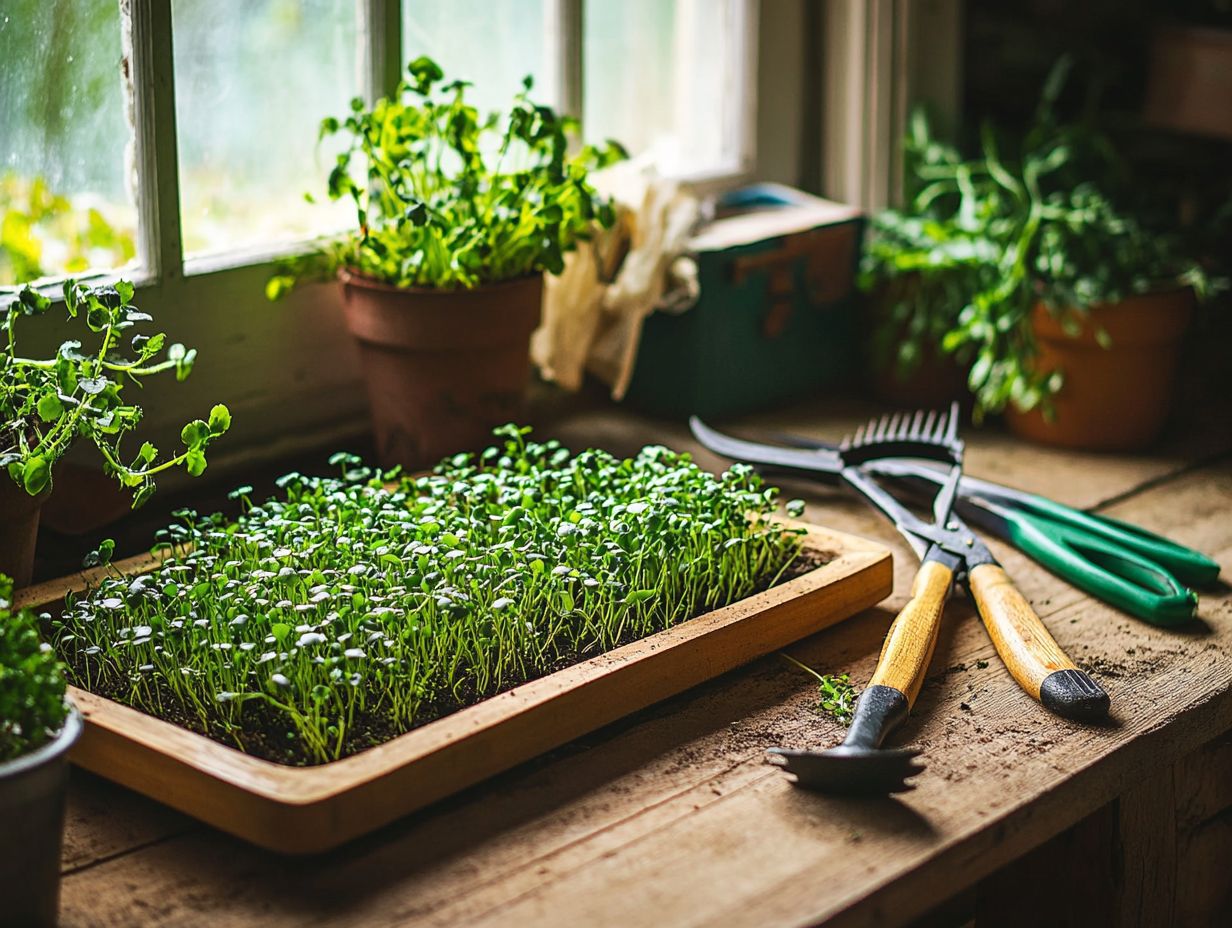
(1121,563)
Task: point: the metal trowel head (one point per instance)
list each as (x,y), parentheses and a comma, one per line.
(851,771)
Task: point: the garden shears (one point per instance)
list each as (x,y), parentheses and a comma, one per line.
(1145,574)
(949,552)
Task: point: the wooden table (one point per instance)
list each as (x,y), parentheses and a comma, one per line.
(674,818)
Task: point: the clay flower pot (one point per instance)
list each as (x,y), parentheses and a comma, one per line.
(32,792)
(443,368)
(19,522)
(1113,399)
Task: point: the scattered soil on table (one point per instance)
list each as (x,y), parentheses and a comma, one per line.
(266,734)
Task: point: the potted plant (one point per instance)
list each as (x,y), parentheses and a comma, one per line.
(37,728)
(1066,308)
(50,403)
(458,218)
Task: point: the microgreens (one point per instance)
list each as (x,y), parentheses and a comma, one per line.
(349,607)
(48,403)
(32,705)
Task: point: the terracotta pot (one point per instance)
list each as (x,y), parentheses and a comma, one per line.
(1114,399)
(443,368)
(19,522)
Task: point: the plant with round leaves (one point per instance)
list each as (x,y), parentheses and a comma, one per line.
(49,403)
(447,198)
(32,707)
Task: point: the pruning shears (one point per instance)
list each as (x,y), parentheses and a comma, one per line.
(1145,574)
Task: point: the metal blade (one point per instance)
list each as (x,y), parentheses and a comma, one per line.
(820,462)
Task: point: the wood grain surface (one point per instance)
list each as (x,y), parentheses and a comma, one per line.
(672,816)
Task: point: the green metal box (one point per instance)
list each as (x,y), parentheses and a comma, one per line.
(775,318)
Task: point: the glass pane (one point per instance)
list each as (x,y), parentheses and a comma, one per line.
(65,207)
(663,76)
(491,43)
(253,80)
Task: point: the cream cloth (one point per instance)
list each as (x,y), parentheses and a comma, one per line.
(593,312)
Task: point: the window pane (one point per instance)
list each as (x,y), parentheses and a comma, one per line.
(665,76)
(491,43)
(64,204)
(253,80)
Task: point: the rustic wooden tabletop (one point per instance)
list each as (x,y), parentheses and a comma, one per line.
(674,818)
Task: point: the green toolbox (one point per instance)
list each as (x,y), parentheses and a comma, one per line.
(776,313)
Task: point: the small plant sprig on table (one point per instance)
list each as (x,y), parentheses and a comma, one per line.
(449,199)
(32,707)
(836,695)
(49,403)
(347,611)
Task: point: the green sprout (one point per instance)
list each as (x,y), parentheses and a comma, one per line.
(350,609)
(836,695)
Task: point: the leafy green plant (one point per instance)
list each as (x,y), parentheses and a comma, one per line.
(350,609)
(36,220)
(32,707)
(836,697)
(1027,219)
(447,199)
(50,403)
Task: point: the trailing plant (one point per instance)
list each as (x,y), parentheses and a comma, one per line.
(836,697)
(77,394)
(349,609)
(448,199)
(1026,219)
(32,707)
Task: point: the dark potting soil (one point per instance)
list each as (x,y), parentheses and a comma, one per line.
(266,735)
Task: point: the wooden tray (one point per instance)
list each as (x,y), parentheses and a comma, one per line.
(300,810)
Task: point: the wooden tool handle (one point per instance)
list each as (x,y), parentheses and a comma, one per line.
(1033,657)
(909,644)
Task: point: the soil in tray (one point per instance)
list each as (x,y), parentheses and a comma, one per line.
(266,735)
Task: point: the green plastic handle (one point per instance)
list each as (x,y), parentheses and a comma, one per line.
(1121,564)
(1190,567)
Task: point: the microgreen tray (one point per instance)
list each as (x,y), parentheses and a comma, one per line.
(302,810)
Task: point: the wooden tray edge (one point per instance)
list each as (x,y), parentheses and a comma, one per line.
(310,809)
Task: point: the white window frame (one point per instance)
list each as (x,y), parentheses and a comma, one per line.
(289,371)
(879,59)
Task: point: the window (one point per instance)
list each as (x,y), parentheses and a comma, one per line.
(92,168)
(65,141)
(252,83)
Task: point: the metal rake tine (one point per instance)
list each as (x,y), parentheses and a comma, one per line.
(916,421)
(883,425)
(943,424)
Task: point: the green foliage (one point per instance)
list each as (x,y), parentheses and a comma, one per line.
(1026,219)
(32,708)
(836,697)
(32,216)
(50,403)
(350,608)
(447,199)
